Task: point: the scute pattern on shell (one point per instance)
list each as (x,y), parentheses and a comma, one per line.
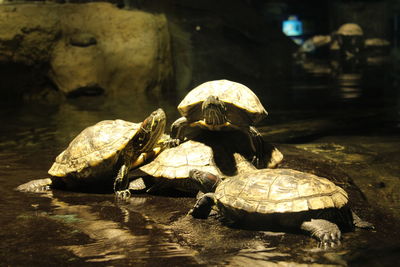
(230,92)
(94,145)
(278,191)
(175,163)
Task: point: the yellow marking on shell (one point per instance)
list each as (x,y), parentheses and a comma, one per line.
(262,209)
(315,203)
(182,173)
(340,198)
(299,205)
(328,202)
(167,173)
(283,206)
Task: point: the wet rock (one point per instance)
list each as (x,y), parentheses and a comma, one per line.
(369,163)
(93,45)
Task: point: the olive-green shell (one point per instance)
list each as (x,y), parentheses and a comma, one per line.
(175,163)
(95,144)
(278,191)
(227,91)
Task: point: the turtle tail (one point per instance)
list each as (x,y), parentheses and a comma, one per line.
(358,222)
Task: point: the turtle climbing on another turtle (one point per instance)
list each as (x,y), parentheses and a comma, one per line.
(215,152)
(278,199)
(223,105)
(99,158)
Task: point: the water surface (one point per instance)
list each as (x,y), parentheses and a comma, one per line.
(69,228)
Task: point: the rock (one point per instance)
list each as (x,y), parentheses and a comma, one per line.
(27,33)
(90,48)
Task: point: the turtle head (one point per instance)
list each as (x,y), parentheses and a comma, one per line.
(205,181)
(151,130)
(214,111)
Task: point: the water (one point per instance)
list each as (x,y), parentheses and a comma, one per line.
(68,228)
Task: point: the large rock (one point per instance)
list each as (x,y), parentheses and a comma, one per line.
(89,47)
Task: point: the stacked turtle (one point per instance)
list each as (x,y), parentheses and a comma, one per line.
(227,160)
(223,105)
(255,196)
(224,114)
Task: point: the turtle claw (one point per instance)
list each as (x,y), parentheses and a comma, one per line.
(173,142)
(328,239)
(123,195)
(328,244)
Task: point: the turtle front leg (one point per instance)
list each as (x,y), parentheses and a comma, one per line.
(37,186)
(257,144)
(203,206)
(178,129)
(326,232)
(121,184)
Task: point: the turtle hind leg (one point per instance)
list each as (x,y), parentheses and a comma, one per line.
(137,185)
(323,230)
(358,222)
(203,206)
(36,186)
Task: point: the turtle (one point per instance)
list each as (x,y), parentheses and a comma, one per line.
(278,199)
(350,29)
(222,105)
(349,40)
(99,158)
(213,152)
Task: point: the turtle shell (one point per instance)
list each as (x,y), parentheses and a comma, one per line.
(268,191)
(95,149)
(176,162)
(243,106)
(350,29)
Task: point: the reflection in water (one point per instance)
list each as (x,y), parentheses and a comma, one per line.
(259,256)
(347,76)
(111,240)
(349,85)
(93,229)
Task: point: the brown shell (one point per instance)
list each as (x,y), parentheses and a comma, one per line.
(230,92)
(175,163)
(93,146)
(279,191)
